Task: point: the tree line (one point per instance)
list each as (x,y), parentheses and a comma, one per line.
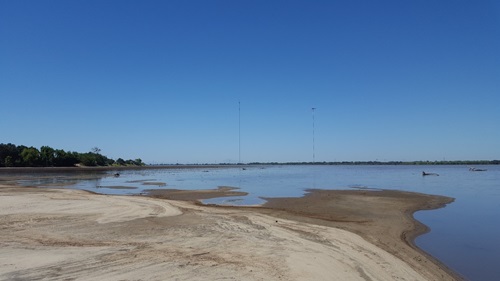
(12,155)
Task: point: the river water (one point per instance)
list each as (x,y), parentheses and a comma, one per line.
(465,235)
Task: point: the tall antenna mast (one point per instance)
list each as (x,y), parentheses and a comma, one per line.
(314,153)
(239,132)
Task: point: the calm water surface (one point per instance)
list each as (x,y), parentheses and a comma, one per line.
(465,235)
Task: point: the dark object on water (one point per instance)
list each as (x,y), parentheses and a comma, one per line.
(429,174)
(472,169)
(117,175)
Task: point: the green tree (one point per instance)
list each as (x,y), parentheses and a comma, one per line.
(100,160)
(138,162)
(110,162)
(72,158)
(12,153)
(18,156)
(31,157)
(18,161)
(65,159)
(48,156)
(120,162)
(88,159)
(9,162)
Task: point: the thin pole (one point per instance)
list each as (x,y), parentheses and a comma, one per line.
(239,132)
(314,152)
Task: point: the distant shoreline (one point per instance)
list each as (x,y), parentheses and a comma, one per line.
(107,168)
(386,163)
(244,165)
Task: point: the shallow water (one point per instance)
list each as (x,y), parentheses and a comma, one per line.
(465,235)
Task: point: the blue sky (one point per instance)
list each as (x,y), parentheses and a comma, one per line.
(161,80)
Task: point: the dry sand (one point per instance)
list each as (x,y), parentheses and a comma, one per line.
(62,234)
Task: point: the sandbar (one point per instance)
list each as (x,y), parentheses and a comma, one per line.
(63,234)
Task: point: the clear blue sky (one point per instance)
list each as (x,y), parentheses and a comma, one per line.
(161,80)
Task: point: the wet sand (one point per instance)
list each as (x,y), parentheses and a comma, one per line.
(62,234)
(382,217)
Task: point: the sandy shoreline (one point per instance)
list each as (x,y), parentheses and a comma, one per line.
(62,234)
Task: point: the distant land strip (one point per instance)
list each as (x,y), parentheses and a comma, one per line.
(455,162)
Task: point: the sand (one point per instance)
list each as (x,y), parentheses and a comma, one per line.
(62,234)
